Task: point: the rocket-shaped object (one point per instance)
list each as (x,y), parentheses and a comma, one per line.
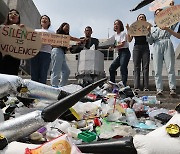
(38,90)
(14,85)
(24,125)
(9,84)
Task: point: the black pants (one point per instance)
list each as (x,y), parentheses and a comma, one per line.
(141,54)
(9,65)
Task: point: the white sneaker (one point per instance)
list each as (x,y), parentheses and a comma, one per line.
(160,92)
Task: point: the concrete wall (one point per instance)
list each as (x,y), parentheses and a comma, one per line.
(30,16)
(72,63)
(3,11)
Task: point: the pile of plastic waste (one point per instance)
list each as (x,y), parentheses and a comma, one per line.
(105,119)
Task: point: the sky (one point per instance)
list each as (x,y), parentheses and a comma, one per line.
(99,14)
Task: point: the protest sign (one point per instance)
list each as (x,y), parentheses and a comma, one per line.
(159,4)
(168,16)
(139,28)
(55,39)
(21,43)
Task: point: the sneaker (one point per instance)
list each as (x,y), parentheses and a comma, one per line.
(159,92)
(172,92)
(136,90)
(146,89)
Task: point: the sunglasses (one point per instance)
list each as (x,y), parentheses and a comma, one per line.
(15,14)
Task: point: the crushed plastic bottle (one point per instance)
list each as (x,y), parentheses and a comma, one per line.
(131,117)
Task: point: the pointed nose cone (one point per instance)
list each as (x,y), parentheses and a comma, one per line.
(55,110)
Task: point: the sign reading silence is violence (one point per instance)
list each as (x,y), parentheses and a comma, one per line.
(21,43)
(25,43)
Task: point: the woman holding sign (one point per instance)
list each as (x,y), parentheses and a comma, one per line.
(58,59)
(8,64)
(122,46)
(141,54)
(163,50)
(40,63)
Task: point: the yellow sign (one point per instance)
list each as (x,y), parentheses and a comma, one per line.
(55,39)
(21,43)
(139,28)
(168,16)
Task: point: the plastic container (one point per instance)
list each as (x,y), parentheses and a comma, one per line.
(87,136)
(131,117)
(73,132)
(1,116)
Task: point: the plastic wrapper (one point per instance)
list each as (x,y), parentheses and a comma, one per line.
(59,145)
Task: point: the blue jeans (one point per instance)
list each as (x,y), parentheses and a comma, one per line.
(59,67)
(121,61)
(39,67)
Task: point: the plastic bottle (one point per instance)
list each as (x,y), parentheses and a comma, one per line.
(1,116)
(131,117)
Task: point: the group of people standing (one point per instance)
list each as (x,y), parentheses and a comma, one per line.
(162,51)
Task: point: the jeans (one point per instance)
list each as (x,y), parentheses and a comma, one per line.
(59,68)
(121,61)
(141,55)
(39,67)
(164,51)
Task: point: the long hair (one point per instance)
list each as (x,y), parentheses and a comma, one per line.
(121,26)
(142,15)
(48,19)
(7,22)
(60,29)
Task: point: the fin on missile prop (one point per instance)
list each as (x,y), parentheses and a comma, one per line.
(142,4)
(55,110)
(120,146)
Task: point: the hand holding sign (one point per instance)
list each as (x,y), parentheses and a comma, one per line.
(168,16)
(55,39)
(19,42)
(139,28)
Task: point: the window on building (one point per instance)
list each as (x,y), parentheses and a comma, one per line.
(151,56)
(178,72)
(153,73)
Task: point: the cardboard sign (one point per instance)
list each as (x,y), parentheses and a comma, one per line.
(159,4)
(139,28)
(168,16)
(21,43)
(55,39)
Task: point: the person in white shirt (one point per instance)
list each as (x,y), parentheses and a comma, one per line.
(40,63)
(122,46)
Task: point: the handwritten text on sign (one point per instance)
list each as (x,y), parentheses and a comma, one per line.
(168,16)
(21,43)
(55,39)
(159,4)
(139,28)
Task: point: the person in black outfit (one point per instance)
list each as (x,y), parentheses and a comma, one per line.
(8,64)
(90,40)
(141,55)
(88,43)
